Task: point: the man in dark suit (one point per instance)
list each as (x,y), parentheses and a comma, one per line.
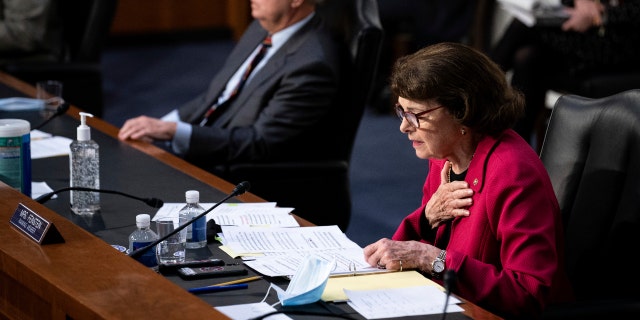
(290,107)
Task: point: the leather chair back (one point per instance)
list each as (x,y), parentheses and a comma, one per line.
(598,85)
(356,23)
(592,153)
(86,25)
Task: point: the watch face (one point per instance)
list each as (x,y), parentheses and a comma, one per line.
(438,266)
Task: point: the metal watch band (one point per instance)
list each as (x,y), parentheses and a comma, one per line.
(440,259)
(442,255)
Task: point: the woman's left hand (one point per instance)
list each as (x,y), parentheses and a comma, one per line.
(400,255)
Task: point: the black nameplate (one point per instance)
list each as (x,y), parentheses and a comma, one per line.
(35,226)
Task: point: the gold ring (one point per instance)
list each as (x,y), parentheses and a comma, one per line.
(400,265)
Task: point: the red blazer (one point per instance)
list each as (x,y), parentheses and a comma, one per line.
(508,254)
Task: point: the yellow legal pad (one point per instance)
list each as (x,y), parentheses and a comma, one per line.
(335,285)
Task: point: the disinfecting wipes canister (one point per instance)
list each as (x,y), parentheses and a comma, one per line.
(15,154)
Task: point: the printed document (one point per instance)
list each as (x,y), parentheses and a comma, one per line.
(242,239)
(279,251)
(237,214)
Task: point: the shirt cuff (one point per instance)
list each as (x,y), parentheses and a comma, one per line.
(180,142)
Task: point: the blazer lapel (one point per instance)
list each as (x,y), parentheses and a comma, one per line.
(269,71)
(251,39)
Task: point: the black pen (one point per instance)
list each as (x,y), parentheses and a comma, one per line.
(218,288)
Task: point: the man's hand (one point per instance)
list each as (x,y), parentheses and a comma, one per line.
(147,129)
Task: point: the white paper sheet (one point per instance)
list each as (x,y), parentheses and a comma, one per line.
(50,147)
(237,214)
(250,311)
(261,240)
(401,302)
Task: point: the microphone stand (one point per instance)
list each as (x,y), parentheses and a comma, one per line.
(448,281)
(152,202)
(62,109)
(241,188)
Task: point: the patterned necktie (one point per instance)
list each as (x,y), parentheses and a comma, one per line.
(266,43)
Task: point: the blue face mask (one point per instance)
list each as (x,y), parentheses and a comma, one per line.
(307,285)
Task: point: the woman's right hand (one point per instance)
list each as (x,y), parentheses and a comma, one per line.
(401,255)
(452,199)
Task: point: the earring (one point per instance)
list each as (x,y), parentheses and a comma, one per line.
(463,131)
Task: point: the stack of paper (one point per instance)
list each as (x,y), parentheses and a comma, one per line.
(372,292)
(237,214)
(45,145)
(279,251)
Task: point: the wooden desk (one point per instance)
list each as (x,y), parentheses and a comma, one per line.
(74,279)
(83,278)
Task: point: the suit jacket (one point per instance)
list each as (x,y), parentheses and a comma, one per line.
(508,254)
(290,110)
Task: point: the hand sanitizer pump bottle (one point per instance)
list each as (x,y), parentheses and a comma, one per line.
(84,162)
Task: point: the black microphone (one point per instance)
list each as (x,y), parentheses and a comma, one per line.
(241,188)
(62,109)
(152,202)
(449,280)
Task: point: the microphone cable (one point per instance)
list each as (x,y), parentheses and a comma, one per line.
(241,188)
(152,202)
(62,109)
(448,280)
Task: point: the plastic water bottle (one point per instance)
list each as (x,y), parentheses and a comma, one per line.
(84,162)
(197,231)
(142,237)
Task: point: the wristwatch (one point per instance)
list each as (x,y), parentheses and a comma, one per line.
(437,266)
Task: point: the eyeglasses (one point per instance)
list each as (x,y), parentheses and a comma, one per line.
(410,116)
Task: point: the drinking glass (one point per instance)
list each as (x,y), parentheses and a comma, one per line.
(171,250)
(50,91)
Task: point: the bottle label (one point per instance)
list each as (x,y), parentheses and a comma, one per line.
(199,230)
(148,258)
(15,162)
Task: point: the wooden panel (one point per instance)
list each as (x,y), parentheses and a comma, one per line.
(157,16)
(239,16)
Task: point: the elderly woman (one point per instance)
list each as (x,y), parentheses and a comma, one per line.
(488,212)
